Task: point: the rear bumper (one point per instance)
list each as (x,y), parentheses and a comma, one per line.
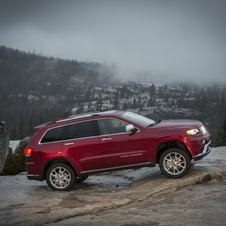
(35,177)
(205,151)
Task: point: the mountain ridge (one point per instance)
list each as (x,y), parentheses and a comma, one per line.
(35,89)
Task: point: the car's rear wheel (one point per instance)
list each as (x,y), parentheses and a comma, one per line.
(174,162)
(81,179)
(60,177)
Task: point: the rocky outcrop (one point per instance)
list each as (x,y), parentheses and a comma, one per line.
(24,141)
(4,144)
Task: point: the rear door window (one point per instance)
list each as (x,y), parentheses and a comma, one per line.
(81,130)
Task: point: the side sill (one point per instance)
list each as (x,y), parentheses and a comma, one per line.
(35,177)
(147,164)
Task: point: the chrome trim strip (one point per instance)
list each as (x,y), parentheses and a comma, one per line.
(113,134)
(63,126)
(205,152)
(75,117)
(67,144)
(106,139)
(132,155)
(67,140)
(205,148)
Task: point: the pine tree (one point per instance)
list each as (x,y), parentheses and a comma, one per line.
(30,131)
(15,162)
(21,127)
(98,106)
(66,113)
(152,90)
(116,99)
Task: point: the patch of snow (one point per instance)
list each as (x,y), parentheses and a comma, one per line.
(32,97)
(14,144)
(73,111)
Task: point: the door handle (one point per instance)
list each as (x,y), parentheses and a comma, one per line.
(67,144)
(106,139)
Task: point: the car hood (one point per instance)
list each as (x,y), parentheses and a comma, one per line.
(178,123)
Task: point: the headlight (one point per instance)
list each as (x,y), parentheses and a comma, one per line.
(193,132)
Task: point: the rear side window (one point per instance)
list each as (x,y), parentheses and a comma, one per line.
(80,130)
(52,135)
(77,130)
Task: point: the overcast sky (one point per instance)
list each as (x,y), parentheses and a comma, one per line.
(184,38)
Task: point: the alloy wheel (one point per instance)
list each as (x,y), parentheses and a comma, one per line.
(174,163)
(60,177)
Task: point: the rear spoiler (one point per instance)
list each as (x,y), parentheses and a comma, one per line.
(37,128)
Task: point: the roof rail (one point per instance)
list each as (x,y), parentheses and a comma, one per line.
(96,115)
(84,115)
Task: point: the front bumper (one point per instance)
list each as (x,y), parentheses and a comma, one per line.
(204,151)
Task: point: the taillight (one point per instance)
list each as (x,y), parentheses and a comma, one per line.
(28,151)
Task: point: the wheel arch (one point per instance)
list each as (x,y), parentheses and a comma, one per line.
(53,161)
(170,144)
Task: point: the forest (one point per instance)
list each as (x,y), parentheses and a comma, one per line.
(35,89)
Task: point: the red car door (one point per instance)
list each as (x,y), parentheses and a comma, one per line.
(118,146)
(82,147)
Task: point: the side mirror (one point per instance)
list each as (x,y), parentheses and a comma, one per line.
(130,128)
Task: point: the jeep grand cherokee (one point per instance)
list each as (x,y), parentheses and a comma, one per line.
(67,151)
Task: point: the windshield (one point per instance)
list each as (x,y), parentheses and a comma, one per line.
(138,119)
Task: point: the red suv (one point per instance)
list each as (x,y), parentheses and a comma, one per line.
(67,151)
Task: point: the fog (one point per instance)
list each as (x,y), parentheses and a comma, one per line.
(177,39)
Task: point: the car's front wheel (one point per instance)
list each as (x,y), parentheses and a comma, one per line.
(174,162)
(60,177)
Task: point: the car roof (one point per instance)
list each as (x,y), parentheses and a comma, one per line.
(80,116)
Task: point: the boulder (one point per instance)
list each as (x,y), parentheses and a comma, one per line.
(24,141)
(4,144)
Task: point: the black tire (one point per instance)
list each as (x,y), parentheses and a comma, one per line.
(60,177)
(174,163)
(81,179)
